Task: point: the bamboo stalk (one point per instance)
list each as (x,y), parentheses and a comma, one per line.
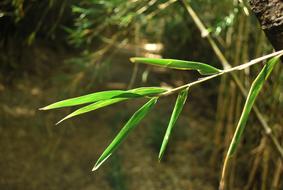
(229,133)
(265,168)
(277,174)
(220,113)
(256,163)
(137,53)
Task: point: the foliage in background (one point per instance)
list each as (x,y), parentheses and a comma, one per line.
(25,20)
(24,27)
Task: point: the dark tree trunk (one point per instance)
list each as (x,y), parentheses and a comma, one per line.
(270,16)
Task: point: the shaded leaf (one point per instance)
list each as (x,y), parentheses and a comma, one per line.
(128,127)
(254,91)
(202,68)
(180,102)
(104,95)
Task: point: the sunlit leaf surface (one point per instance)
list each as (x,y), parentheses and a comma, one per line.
(202,68)
(104,95)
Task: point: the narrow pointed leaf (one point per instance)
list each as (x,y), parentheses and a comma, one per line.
(254,91)
(180,102)
(202,68)
(104,95)
(92,107)
(89,98)
(128,127)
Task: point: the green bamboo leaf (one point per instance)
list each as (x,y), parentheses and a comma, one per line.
(134,93)
(92,107)
(89,98)
(104,95)
(202,68)
(253,93)
(147,91)
(180,102)
(128,127)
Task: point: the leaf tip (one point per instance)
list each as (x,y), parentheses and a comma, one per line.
(58,122)
(43,108)
(94,168)
(100,161)
(61,120)
(159,158)
(161,153)
(133,59)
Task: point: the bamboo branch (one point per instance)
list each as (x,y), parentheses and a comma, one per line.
(224,62)
(205,34)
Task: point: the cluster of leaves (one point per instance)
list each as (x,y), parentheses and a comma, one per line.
(99,20)
(105,98)
(13,9)
(222,23)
